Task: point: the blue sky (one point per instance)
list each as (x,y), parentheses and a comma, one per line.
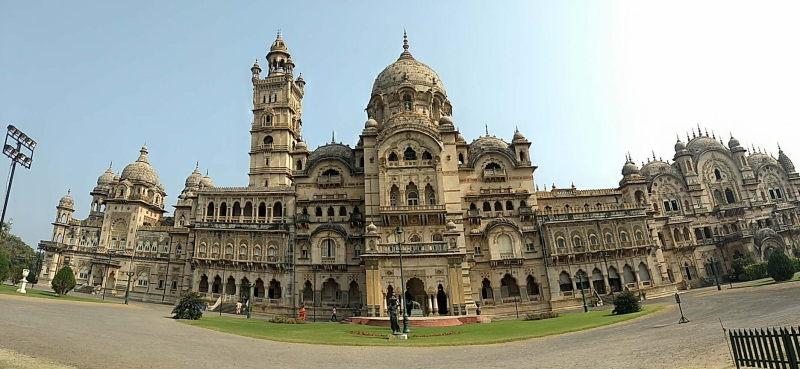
(584,81)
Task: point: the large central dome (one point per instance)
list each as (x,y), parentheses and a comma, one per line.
(407,71)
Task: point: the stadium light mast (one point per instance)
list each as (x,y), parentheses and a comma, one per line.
(19,148)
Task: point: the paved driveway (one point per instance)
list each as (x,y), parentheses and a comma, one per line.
(90,335)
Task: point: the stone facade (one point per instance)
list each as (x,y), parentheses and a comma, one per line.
(326,227)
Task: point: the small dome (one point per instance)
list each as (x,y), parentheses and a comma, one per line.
(206,181)
(371,123)
(629,168)
(108,177)
(518,136)
(680,146)
(460,138)
(445,120)
(67,202)
(140,170)
(407,71)
(372,228)
(301,145)
(702,144)
(733,143)
(278,45)
(450,225)
(193,180)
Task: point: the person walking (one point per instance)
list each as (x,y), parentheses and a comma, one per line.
(333,315)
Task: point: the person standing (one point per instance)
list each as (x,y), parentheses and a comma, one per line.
(302,313)
(333,315)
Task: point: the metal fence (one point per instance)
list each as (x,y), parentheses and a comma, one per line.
(765,348)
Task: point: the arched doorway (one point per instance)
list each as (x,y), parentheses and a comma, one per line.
(532,286)
(353,294)
(274,291)
(613,280)
(216,287)
(230,286)
(258,291)
(486,290)
(597,281)
(415,291)
(509,287)
(203,284)
(441,300)
(308,293)
(330,291)
(244,288)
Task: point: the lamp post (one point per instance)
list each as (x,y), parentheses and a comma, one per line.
(714,270)
(605,263)
(581,275)
(406,329)
(15,143)
(130,273)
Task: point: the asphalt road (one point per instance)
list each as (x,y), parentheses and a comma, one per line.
(88,335)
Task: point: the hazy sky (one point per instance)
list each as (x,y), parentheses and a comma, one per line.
(585,81)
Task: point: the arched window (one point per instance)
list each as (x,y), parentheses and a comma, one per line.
(392,156)
(229,250)
(522,155)
(143,280)
(268,140)
(504,243)
(299,165)
(644,272)
(210,209)
(593,240)
(242,252)
(561,242)
(409,154)
(394,195)
(486,290)
(717,174)
(509,286)
(498,206)
(202,247)
(509,205)
(415,238)
(248,209)
(532,286)
(627,274)
(639,236)
(565,282)
(430,194)
(237,209)
(437,237)
(277,209)
(623,236)
(331,212)
(223,209)
(577,241)
(182,221)
(523,204)
(460,158)
(487,206)
(412,194)
(426,155)
(268,119)
(472,206)
(328,248)
(262,210)
(318,211)
(407,102)
(342,211)
(729,196)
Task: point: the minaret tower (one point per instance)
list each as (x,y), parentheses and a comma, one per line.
(277,108)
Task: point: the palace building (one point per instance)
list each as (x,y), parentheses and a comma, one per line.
(325,227)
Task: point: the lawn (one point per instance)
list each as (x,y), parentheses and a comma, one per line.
(795,278)
(361,335)
(12,290)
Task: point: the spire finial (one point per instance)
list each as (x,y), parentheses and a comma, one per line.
(197,164)
(654,154)
(69,190)
(333,136)
(713,135)
(206,172)
(279,34)
(487,129)
(405,40)
(110,164)
(779,147)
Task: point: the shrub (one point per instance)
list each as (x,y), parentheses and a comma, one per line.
(795,264)
(189,307)
(541,316)
(64,281)
(626,303)
(756,271)
(779,267)
(796,252)
(738,264)
(4,268)
(280,319)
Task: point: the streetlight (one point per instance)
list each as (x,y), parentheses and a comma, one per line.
(714,270)
(406,329)
(605,262)
(130,273)
(581,275)
(15,143)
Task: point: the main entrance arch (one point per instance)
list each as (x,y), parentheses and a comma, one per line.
(415,291)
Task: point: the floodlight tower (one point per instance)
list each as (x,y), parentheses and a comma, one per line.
(19,148)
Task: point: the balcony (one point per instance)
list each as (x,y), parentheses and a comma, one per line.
(411,248)
(412,208)
(329,181)
(494,175)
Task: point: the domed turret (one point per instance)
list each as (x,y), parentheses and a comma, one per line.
(629,168)
(140,170)
(785,162)
(460,138)
(255,69)
(67,202)
(733,143)
(300,82)
(206,181)
(371,123)
(407,71)
(518,136)
(679,146)
(301,145)
(193,180)
(107,178)
(278,57)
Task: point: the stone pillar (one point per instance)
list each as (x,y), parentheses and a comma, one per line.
(430,305)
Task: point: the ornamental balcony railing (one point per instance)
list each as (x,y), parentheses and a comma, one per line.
(329,180)
(412,248)
(494,175)
(411,208)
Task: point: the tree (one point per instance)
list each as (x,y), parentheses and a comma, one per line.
(64,281)
(188,307)
(626,303)
(4,267)
(18,254)
(779,267)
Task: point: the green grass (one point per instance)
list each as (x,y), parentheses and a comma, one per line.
(12,290)
(795,278)
(468,334)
